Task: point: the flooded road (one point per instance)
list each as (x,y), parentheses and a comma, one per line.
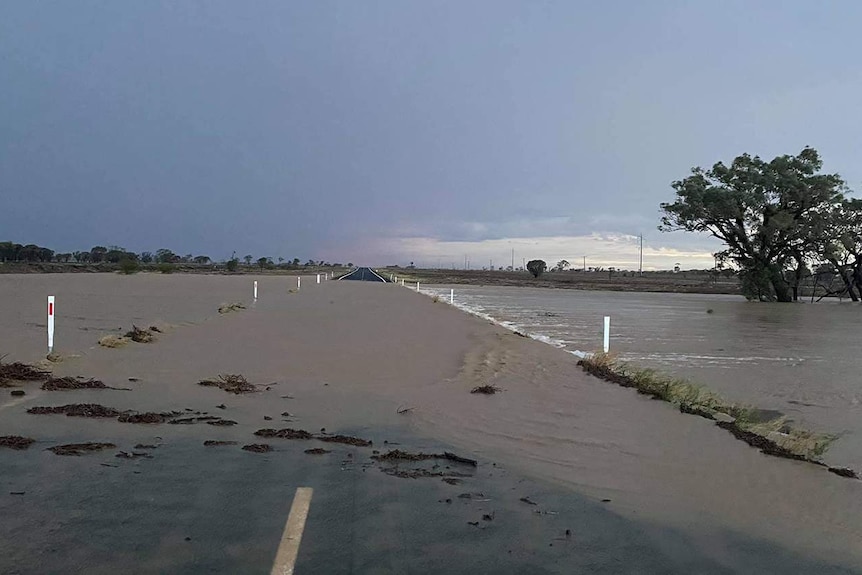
(800,359)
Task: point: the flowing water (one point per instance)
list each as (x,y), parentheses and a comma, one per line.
(799,359)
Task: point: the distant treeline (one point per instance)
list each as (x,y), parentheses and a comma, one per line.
(31,253)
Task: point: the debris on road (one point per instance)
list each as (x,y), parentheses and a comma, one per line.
(317,451)
(79,448)
(284,433)
(258,447)
(486,389)
(345,439)
(18,371)
(16,442)
(229,307)
(231,383)
(77,410)
(139,335)
(214,443)
(62,383)
(398,455)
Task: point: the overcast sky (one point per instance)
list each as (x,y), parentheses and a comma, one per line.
(390,132)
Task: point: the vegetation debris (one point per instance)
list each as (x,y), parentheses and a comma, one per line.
(214,443)
(139,335)
(16,442)
(17,392)
(113,341)
(399,455)
(486,389)
(231,383)
(258,447)
(528,501)
(844,472)
(221,422)
(60,383)
(77,410)
(79,448)
(146,446)
(18,371)
(284,433)
(288,433)
(345,439)
(317,451)
(147,417)
(229,307)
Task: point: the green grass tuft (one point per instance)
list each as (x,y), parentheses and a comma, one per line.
(695,399)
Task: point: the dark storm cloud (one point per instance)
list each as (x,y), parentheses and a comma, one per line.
(313,129)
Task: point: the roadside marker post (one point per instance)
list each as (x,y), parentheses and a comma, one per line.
(255,289)
(50,324)
(607,342)
(402,282)
(417,286)
(452,296)
(318,278)
(298,282)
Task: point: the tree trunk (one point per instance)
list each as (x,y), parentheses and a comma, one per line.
(846,278)
(779,285)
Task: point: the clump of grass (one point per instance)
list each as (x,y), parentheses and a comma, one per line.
(435,299)
(769,431)
(486,389)
(229,307)
(113,341)
(231,383)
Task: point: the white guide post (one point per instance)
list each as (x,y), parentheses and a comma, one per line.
(50,324)
(452,296)
(607,342)
(417,286)
(298,282)
(255,289)
(318,278)
(402,282)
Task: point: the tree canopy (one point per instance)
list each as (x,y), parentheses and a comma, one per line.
(536,267)
(775,218)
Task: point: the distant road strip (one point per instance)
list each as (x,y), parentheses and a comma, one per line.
(362,272)
(288,549)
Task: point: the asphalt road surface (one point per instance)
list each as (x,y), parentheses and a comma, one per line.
(191,509)
(364,274)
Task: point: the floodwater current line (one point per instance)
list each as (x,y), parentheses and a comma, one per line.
(288,549)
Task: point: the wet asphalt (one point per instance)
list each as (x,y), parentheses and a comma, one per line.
(194,509)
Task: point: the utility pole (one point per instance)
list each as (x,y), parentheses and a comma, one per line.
(585,263)
(491,265)
(641,266)
(513,259)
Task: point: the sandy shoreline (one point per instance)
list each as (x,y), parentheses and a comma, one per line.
(350,354)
